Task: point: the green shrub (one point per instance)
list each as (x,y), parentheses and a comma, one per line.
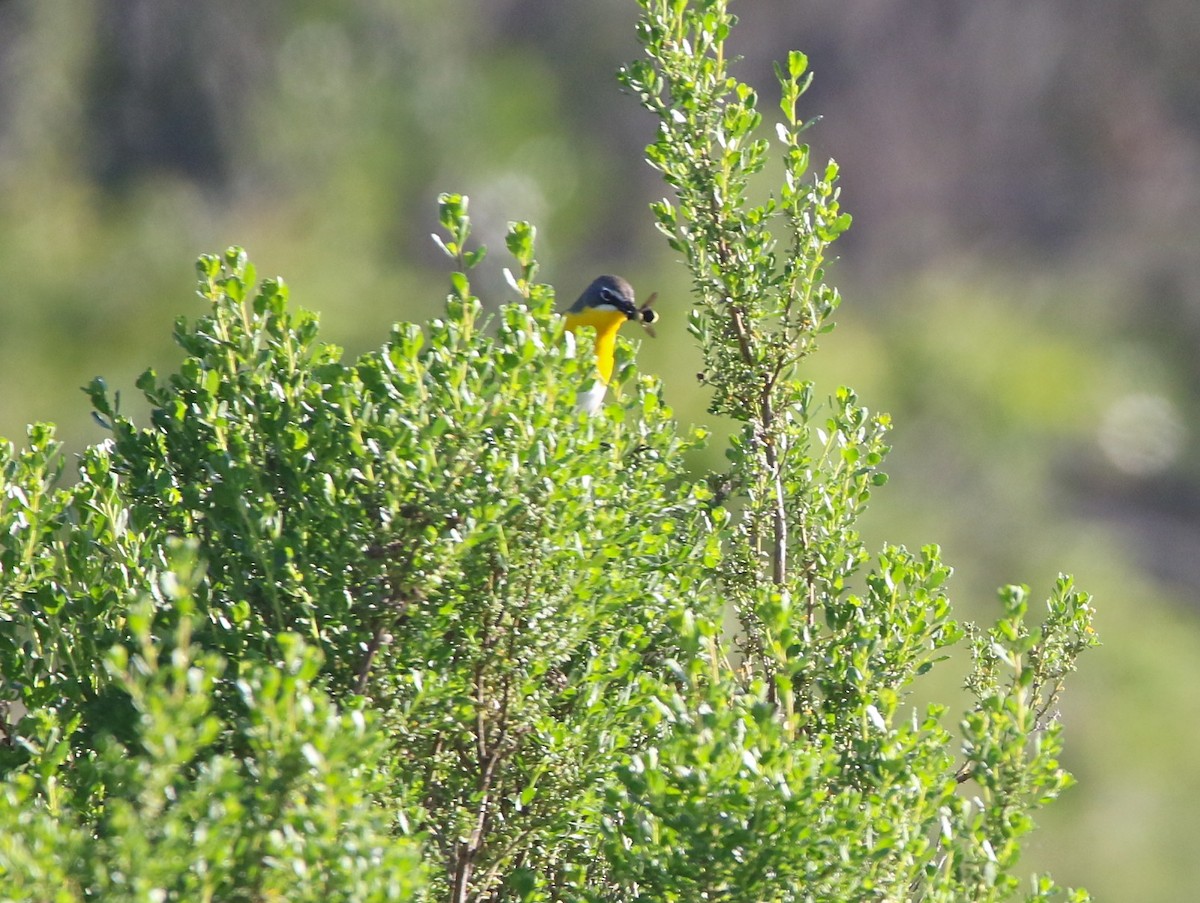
(281,805)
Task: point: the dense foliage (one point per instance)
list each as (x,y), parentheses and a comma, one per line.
(413,627)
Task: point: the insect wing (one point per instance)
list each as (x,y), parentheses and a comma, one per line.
(646,316)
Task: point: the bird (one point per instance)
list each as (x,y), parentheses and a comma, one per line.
(606,305)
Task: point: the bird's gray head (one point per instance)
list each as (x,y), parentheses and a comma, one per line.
(608,292)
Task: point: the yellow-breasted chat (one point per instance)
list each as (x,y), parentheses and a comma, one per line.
(606,305)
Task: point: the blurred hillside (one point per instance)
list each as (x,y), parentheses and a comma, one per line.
(1021,284)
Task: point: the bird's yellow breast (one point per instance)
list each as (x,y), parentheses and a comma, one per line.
(606,323)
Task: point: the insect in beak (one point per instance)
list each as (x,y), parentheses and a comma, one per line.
(646,316)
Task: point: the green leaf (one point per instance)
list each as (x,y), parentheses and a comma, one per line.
(797,64)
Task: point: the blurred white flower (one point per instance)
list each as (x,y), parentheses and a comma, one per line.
(1141,433)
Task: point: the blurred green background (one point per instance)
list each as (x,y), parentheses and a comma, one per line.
(1022,289)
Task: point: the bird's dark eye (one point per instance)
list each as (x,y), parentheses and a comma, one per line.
(607,295)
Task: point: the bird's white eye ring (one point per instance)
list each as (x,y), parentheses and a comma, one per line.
(607,295)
